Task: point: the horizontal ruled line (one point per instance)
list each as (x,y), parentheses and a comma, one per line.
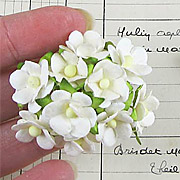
(176,19)
(157,136)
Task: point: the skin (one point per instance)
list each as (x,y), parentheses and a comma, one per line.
(27,36)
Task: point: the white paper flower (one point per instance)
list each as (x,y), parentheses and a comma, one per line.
(108,81)
(75,148)
(145,105)
(31,82)
(69,66)
(70,115)
(90,44)
(112,123)
(29,127)
(132,59)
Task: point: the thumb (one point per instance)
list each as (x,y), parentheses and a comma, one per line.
(31,34)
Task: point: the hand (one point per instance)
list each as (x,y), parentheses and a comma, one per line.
(30,35)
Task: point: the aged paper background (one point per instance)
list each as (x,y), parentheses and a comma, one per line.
(158,23)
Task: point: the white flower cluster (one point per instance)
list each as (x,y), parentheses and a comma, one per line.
(89,91)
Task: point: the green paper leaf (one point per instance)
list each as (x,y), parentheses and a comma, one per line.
(91,60)
(94,130)
(53,79)
(20,65)
(44,101)
(134,115)
(39,113)
(65,85)
(129,86)
(96,101)
(20,106)
(80,86)
(60,51)
(47,56)
(90,68)
(99,110)
(136,94)
(129,101)
(137,137)
(107,44)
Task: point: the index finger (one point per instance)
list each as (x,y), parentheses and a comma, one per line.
(29,35)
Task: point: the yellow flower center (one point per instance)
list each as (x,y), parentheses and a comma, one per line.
(104,83)
(34,131)
(112,123)
(70,113)
(70,70)
(128,61)
(34,82)
(79,141)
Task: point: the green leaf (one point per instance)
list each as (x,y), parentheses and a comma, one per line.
(91,60)
(136,94)
(99,110)
(47,56)
(39,113)
(20,65)
(90,68)
(60,51)
(52,79)
(134,115)
(80,86)
(65,85)
(96,101)
(136,134)
(44,101)
(94,130)
(129,101)
(20,106)
(129,86)
(107,44)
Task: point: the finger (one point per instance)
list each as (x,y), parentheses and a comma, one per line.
(14,154)
(53,169)
(30,34)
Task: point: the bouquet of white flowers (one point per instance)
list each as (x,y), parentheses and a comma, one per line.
(89,91)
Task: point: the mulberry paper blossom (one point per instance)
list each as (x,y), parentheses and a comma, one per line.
(90,44)
(29,127)
(132,59)
(75,148)
(145,105)
(69,66)
(31,82)
(70,115)
(108,81)
(112,123)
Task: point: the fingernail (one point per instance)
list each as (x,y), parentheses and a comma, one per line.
(74,168)
(89,19)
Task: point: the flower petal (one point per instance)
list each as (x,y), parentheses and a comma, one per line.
(44,72)
(140,70)
(45,141)
(33,107)
(115,107)
(124,46)
(139,55)
(75,39)
(82,68)
(57,63)
(109,95)
(70,57)
(114,55)
(124,116)
(20,125)
(82,99)
(124,130)
(95,88)
(80,127)
(60,124)
(101,55)
(85,50)
(24,136)
(32,68)
(148,120)
(109,137)
(101,129)
(72,149)
(18,79)
(105,104)
(96,76)
(151,103)
(23,96)
(134,79)
(27,115)
(60,95)
(88,146)
(141,111)
(102,116)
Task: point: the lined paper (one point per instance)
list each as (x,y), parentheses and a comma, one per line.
(160,21)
